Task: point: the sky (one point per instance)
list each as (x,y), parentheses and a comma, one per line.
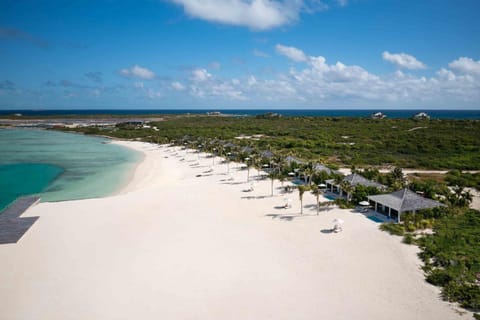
(214,54)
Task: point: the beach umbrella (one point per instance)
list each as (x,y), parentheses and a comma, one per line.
(364,203)
(322,185)
(338,221)
(291,174)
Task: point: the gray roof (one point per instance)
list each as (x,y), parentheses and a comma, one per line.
(356,179)
(321,167)
(267,154)
(247,150)
(405,200)
(229,145)
(290,159)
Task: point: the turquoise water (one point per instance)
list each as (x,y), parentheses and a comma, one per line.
(39,177)
(375,219)
(330,197)
(60,166)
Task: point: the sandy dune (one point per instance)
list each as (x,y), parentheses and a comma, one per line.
(172,245)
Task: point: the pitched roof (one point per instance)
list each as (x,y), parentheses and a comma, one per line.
(405,200)
(321,167)
(267,154)
(290,159)
(356,179)
(247,149)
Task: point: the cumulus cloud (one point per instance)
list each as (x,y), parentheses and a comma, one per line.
(138,72)
(403,60)
(254,14)
(200,75)
(292,53)
(466,65)
(322,83)
(177,86)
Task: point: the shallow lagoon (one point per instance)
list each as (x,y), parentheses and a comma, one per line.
(60,166)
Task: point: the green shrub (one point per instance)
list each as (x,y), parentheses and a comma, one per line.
(408,238)
(410,227)
(343,204)
(393,228)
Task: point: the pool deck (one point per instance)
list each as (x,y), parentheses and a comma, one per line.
(12,226)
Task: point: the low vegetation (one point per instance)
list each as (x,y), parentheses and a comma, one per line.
(444,144)
(452,257)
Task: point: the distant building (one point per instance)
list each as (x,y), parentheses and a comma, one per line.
(378,115)
(214,113)
(396,203)
(421,116)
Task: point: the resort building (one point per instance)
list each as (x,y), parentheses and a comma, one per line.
(290,159)
(378,115)
(267,154)
(398,202)
(421,116)
(318,167)
(354,180)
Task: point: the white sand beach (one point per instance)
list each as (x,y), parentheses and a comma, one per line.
(174,245)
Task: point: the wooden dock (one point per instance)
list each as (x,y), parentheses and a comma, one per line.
(12,226)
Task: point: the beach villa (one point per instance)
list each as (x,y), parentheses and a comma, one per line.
(318,167)
(353,179)
(401,201)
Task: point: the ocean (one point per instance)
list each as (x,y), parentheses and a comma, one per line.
(390,113)
(60,166)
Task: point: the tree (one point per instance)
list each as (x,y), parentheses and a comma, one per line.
(316,192)
(347,188)
(272,175)
(301,191)
(460,197)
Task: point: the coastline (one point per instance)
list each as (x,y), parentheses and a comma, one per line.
(172,244)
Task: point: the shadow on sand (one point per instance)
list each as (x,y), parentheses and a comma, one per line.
(327,231)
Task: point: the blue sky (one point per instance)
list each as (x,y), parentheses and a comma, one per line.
(239,53)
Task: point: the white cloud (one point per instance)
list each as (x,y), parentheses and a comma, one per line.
(259,53)
(200,75)
(342,3)
(254,14)
(403,60)
(138,72)
(466,65)
(178,86)
(292,53)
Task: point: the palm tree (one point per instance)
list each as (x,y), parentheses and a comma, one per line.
(347,188)
(316,192)
(301,191)
(247,161)
(272,175)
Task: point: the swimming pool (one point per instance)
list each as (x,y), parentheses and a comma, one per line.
(375,219)
(329,197)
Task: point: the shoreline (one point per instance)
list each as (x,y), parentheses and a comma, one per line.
(174,244)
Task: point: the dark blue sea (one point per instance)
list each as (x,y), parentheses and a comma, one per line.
(434,114)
